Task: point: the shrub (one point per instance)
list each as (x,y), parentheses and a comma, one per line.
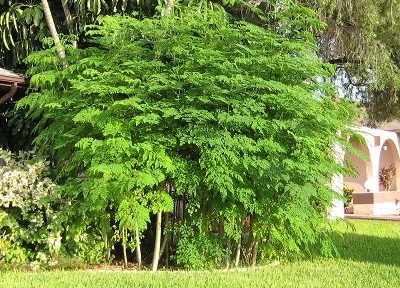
(198,249)
(29,204)
(348,195)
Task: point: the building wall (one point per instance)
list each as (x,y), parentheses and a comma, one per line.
(361,166)
(382,150)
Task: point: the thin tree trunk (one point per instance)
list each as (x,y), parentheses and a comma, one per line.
(164,245)
(237,259)
(124,236)
(228,253)
(67,13)
(167,236)
(68,18)
(221,230)
(167,252)
(107,248)
(170,6)
(254,252)
(157,243)
(138,249)
(53,30)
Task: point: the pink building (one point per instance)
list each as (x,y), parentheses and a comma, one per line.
(381,150)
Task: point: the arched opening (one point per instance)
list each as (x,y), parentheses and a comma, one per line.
(389,158)
(362,167)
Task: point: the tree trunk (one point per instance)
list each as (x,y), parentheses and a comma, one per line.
(68,18)
(157,243)
(138,250)
(254,252)
(237,260)
(167,252)
(124,236)
(168,8)
(164,245)
(53,30)
(108,249)
(165,241)
(228,253)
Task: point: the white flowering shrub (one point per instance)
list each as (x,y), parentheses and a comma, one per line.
(28,205)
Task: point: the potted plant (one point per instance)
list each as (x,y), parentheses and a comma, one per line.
(387,176)
(348,195)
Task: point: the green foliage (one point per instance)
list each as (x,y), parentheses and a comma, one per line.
(196,249)
(360,36)
(348,194)
(23,25)
(21,29)
(160,201)
(232,114)
(131,214)
(81,240)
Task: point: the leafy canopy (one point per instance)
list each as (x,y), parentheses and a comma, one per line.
(231,114)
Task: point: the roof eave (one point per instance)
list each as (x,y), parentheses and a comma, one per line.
(12,79)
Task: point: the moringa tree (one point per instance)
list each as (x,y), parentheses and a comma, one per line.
(231,114)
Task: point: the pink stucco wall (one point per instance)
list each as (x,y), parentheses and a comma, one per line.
(361,167)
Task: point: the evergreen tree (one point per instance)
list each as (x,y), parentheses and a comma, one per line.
(363,39)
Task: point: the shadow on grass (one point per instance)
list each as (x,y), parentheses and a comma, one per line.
(365,248)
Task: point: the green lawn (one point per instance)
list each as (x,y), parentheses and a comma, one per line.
(370,257)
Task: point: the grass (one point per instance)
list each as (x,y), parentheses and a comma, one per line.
(370,257)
